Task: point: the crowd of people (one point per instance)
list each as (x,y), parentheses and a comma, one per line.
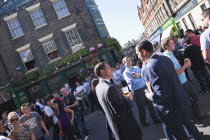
(156,79)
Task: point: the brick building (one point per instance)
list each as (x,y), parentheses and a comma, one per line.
(170,17)
(36,35)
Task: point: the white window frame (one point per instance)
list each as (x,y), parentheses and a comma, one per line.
(22,49)
(65,7)
(34,8)
(45,39)
(77,46)
(12,18)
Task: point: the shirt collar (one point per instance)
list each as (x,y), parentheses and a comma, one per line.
(168,53)
(104,79)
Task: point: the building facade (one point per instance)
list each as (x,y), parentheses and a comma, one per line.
(43,47)
(180,14)
(97,18)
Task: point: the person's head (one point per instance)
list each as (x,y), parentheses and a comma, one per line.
(25,109)
(37,101)
(189,33)
(168,44)
(196,32)
(206,17)
(4,117)
(77,83)
(13,119)
(187,42)
(200,27)
(1,124)
(175,39)
(64,91)
(117,66)
(94,83)
(57,104)
(127,62)
(47,101)
(144,50)
(103,70)
(156,46)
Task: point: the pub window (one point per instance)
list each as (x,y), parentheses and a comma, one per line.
(74,39)
(203,7)
(192,21)
(28,59)
(37,17)
(185,23)
(60,8)
(50,49)
(15,28)
(164,7)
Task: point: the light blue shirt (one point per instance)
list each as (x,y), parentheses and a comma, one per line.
(134,84)
(177,66)
(205,39)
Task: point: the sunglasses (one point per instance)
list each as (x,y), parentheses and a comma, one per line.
(14,120)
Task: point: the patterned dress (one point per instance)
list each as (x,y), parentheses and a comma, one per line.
(25,134)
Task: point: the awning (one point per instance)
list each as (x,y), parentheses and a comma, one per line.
(170,31)
(166,33)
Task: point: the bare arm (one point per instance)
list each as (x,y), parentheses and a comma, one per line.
(33,137)
(186,65)
(206,55)
(43,126)
(76,103)
(72,114)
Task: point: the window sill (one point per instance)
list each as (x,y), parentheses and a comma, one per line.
(18,37)
(56,59)
(32,70)
(64,16)
(40,26)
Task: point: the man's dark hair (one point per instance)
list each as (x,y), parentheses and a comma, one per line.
(145,45)
(98,68)
(206,12)
(188,41)
(189,31)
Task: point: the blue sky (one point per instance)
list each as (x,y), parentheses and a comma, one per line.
(121,18)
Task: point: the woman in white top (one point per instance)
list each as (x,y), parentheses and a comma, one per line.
(48,112)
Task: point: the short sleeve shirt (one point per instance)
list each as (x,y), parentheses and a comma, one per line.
(205,39)
(71,99)
(33,122)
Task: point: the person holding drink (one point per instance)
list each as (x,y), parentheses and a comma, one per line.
(137,86)
(117,108)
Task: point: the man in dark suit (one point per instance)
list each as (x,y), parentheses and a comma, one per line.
(166,92)
(117,108)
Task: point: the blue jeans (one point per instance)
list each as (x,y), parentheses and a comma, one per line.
(203,77)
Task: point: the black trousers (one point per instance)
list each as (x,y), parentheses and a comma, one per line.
(193,96)
(141,102)
(175,126)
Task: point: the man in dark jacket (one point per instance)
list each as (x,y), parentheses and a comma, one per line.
(117,108)
(199,68)
(166,92)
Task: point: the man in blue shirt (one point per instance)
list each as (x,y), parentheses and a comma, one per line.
(137,86)
(169,46)
(205,36)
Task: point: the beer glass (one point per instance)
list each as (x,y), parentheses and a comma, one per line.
(125,91)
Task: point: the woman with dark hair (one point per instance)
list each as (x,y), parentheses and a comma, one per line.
(65,122)
(4,131)
(51,120)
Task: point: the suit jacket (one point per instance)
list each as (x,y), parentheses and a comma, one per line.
(118,111)
(169,96)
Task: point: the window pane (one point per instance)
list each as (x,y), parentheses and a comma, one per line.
(73,37)
(60,8)
(15,28)
(37,17)
(49,46)
(26,55)
(192,21)
(185,23)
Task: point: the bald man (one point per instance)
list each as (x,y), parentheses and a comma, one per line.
(71,102)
